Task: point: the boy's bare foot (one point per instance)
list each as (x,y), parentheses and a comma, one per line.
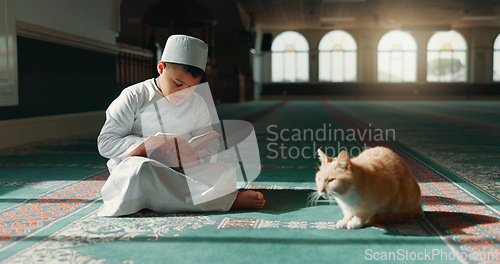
(249,200)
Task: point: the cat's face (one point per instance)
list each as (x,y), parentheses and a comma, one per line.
(334,176)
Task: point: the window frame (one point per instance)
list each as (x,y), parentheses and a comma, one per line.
(343,52)
(461,53)
(297,54)
(404,53)
(496,58)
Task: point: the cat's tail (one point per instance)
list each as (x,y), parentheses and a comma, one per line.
(386,218)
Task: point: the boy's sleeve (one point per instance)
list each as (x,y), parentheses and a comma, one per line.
(115,139)
(204,125)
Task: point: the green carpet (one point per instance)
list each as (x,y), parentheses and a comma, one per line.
(49,194)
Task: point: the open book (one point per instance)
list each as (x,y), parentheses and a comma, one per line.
(173,142)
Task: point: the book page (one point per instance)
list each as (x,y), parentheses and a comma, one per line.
(203,139)
(166,141)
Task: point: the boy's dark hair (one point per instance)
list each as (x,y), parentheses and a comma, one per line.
(195,71)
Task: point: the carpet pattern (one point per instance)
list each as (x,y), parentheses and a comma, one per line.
(50,193)
(463,136)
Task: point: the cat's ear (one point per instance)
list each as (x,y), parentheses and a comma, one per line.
(323,157)
(344,160)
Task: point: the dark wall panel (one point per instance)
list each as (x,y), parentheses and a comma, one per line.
(56,79)
(406,90)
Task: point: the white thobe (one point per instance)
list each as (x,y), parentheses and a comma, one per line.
(136,183)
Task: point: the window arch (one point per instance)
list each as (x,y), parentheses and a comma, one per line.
(337,57)
(290,58)
(447,57)
(496,60)
(397,57)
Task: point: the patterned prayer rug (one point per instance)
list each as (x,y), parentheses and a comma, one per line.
(450,205)
(50,194)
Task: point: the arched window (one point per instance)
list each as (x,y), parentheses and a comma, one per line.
(447,57)
(337,57)
(290,58)
(397,57)
(496,60)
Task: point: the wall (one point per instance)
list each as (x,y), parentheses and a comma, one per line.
(93,19)
(480,56)
(56,79)
(8,55)
(413,90)
(66,55)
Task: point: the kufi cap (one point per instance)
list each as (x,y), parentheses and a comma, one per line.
(186,50)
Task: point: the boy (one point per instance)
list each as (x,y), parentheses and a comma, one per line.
(137,182)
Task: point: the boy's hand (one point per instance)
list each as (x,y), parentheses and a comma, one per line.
(187,159)
(167,154)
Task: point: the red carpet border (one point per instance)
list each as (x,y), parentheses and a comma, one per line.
(463,221)
(29,217)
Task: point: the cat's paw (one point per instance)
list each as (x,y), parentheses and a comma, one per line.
(342,223)
(355,223)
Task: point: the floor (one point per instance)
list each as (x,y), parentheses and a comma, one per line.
(49,192)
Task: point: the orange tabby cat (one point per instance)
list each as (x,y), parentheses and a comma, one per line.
(375,187)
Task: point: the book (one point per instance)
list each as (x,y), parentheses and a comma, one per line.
(180,143)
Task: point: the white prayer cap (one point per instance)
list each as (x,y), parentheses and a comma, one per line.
(186,50)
